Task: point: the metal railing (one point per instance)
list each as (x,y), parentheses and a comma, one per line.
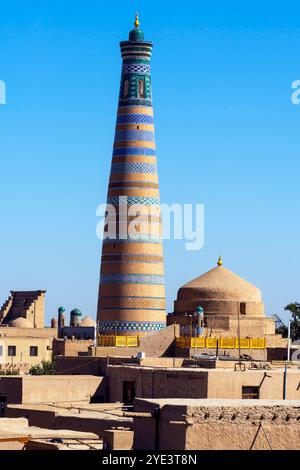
(118,341)
(222,343)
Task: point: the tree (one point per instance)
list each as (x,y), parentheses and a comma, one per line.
(294,308)
(281,330)
(45,368)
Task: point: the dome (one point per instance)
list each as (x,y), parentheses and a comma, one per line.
(61,310)
(76,312)
(136,35)
(88,321)
(220,284)
(20,323)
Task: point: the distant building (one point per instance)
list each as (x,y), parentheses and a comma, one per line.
(230,307)
(19,353)
(79,328)
(29,305)
(24,340)
(75,339)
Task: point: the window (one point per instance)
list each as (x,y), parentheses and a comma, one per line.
(11,351)
(1,350)
(126,89)
(250,392)
(243,308)
(33,351)
(141,89)
(128,392)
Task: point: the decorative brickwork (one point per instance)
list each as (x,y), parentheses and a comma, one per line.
(131,292)
(114,326)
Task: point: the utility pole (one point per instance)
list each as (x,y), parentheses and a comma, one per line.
(289,341)
(285,382)
(239,333)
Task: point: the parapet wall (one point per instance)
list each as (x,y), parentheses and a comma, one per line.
(218,425)
(50,389)
(237,427)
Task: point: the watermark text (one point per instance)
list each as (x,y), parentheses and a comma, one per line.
(140,222)
(2,92)
(296,93)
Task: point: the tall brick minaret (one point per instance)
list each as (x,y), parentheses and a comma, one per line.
(132,292)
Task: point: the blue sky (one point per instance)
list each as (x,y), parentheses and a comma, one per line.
(227,136)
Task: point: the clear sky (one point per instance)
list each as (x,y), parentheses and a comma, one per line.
(227,136)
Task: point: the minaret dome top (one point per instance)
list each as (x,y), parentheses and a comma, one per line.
(136,34)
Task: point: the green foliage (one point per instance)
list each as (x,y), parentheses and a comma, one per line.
(45,368)
(294,308)
(282,330)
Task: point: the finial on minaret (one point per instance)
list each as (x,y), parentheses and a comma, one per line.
(137,21)
(136,35)
(220,261)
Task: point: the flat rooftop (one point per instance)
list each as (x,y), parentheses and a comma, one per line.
(102,411)
(204,369)
(215,402)
(14,428)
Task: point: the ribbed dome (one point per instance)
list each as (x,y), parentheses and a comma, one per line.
(220,284)
(88,321)
(20,323)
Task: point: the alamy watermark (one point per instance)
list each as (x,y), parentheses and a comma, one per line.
(123,220)
(2,92)
(296,93)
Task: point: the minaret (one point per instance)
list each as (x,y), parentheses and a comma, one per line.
(132,293)
(61,320)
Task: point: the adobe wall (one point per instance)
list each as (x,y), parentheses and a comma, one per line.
(218,425)
(110,351)
(228,384)
(160,383)
(80,365)
(28,332)
(238,428)
(63,347)
(200,383)
(26,304)
(86,365)
(50,389)
(217,307)
(23,345)
(89,365)
(36,314)
(226,325)
(160,343)
(88,420)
